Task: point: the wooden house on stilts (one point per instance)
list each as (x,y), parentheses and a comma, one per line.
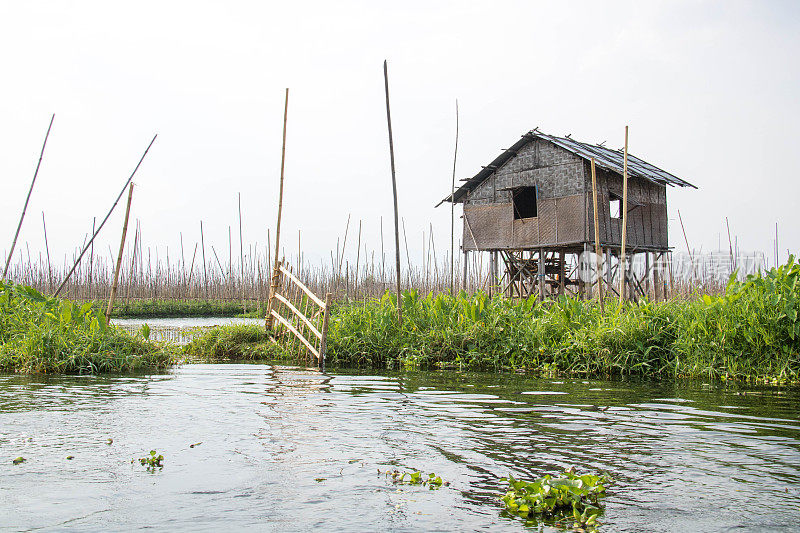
(532,209)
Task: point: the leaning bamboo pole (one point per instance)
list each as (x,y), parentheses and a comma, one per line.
(119,256)
(28,198)
(597,251)
(130,179)
(394,193)
(275,272)
(624,220)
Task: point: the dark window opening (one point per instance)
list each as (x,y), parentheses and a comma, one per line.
(524,201)
(614,205)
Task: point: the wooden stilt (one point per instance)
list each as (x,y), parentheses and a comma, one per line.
(597,251)
(540,274)
(624,220)
(466,272)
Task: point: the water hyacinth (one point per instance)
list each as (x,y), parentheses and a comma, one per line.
(568,496)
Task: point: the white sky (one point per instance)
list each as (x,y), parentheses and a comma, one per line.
(709,90)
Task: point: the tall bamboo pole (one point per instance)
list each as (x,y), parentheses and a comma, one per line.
(597,251)
(274,284)
(624,220)
(241,255)
(130,179)
(119,256)
(453,211)
(394,193)
(28,198)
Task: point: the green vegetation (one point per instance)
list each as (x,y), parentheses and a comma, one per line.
(432,481)
(151,461)
(555,499)
(752,331)
(184,308)
(39,334)
(231,343)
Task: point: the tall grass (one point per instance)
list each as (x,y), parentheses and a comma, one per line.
(48,335)
(750,331)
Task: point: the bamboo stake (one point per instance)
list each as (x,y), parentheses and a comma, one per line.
(452,211)
(275,273)
(119,256)
(205,272)
(394,193)
(730,244)
(130,179)
(91,260)
(624,221)
(597,250)
(28,198)
(685,239)
(358,259)
(47,248)
(191,267)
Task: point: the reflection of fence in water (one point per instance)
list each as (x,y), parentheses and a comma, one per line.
(174,334)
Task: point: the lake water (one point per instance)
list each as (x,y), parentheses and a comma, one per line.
(290,449)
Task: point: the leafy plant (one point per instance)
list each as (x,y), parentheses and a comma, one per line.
(39,334)
(432,481)
(568,496)
(151,461)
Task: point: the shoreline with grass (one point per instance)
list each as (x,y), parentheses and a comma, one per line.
(44,335)
(751,332)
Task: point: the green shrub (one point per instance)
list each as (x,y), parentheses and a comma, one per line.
(39,334)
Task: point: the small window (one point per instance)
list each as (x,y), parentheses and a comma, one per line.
(524,201)
(614,205)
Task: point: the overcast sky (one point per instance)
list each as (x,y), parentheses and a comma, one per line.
(709,90)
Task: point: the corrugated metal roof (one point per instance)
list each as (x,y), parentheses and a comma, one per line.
(606,158)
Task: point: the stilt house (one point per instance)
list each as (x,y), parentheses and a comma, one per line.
(533,207)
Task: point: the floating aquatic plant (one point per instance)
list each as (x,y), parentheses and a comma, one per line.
(151,461)
(568,496)
(432,481)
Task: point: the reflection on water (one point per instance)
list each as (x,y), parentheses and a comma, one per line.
(686,457)
(179,329)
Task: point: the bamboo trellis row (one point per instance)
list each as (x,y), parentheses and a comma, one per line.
(300,317)
(148,274)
